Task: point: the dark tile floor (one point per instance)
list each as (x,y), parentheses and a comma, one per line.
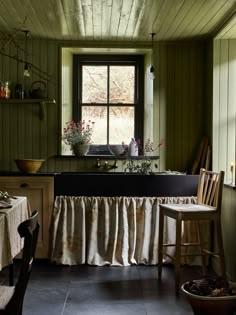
(135,290)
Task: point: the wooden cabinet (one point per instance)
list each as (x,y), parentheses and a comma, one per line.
(40,192)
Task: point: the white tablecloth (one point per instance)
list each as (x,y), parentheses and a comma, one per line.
(110,230)
(10,241)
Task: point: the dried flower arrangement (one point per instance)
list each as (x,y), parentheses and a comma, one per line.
(78,132)
(146,164)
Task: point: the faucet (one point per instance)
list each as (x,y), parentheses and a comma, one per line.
(106,165)
(98,164)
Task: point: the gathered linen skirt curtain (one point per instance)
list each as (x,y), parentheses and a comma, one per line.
(118,231)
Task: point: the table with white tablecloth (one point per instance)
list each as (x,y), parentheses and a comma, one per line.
(10,240)
(111,230)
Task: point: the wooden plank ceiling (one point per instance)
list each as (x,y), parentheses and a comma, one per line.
(116,20)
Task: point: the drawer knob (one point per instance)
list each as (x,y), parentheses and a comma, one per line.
(24,185)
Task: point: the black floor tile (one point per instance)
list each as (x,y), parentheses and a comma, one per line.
(134,290)
(100,292)
(42,302)
(105,273)
(105,309)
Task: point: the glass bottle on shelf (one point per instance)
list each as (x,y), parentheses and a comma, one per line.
(2,90)
(133,148)
(7,90)
(19,91)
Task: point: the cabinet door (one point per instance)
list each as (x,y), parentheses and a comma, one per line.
(39,191)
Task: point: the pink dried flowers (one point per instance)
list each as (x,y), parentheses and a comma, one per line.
(78,132)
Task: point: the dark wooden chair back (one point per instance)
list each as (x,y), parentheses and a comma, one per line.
(29,231)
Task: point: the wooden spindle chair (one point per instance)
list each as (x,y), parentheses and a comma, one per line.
(207,208)
(11,297)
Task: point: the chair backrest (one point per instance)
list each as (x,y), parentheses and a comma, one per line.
(210,188)
(29,231)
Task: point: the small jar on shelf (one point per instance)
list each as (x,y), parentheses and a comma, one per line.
(2,91)
(5,91)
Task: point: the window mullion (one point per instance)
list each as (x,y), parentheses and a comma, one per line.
(108,102)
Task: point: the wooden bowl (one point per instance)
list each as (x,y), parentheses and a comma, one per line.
(209,305)
(29,166)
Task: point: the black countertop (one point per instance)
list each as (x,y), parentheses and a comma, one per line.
(18,173)
(119,184)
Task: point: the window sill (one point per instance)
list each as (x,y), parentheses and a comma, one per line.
(108,157)
(230,185)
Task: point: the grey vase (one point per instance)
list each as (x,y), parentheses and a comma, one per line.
(80,149)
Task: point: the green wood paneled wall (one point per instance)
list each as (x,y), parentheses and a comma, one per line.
(179,107)
(180,92)
(224,105)
(224,136)
(228,221)
(22,133)
(229,230)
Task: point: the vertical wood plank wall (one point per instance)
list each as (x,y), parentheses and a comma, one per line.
(181,102)
(22,133)
(228,222)
(179,107)
(224,105)
(229,230)
(224,133)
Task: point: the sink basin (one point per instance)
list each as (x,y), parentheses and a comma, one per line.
(124,184)
(93,173)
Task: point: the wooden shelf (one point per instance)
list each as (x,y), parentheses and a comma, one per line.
(26,100)
(41,101)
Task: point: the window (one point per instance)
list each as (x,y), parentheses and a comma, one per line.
(109,90)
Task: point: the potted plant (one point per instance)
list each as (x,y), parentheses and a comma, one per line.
(78,135)
(142,166)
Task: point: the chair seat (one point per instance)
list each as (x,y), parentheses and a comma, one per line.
(186,208)
(6,294)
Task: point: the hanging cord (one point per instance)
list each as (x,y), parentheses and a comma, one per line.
(151,70)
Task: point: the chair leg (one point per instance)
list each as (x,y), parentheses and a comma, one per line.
(21,310)
(160,243)
(220,247)
(201,241)
(11,274)
(178,253)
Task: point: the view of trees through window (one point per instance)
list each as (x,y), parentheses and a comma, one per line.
(108,98)
(109,90)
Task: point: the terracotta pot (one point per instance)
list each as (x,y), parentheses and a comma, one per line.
(80,149)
